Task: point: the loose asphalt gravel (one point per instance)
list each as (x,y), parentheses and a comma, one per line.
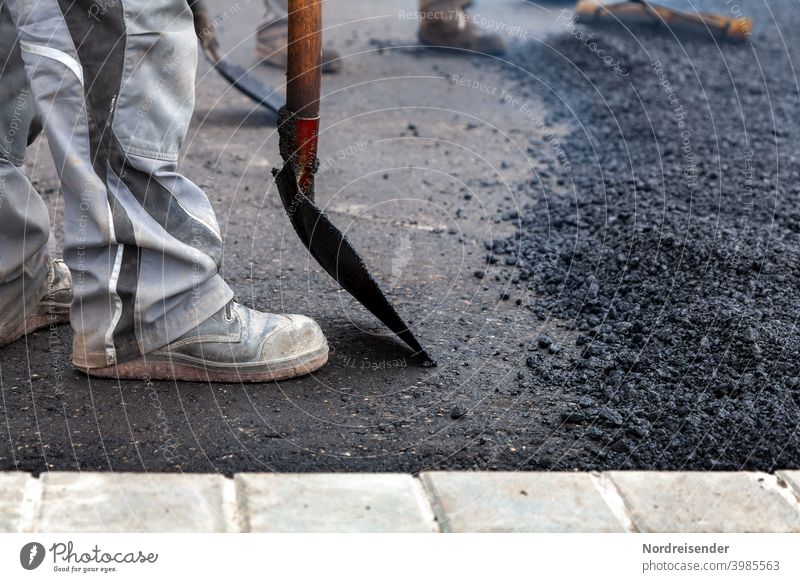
(622,297)
(667,239)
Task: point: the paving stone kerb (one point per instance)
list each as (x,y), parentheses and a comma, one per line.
(520,502)
(706,502)
(450,502)
(333,503)
(131,502)
(12,491)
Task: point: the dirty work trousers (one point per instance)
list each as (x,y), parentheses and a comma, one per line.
(112,83)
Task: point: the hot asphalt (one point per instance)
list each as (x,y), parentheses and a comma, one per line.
(596,236)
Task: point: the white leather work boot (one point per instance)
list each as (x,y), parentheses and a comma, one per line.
(237,344)
(446,24)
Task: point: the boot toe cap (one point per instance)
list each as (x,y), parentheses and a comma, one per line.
(295,337)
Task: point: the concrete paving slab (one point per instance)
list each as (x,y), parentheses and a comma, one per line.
(705,502)
(451,502)
(12,491)
(333,503)
(519,502)
(792,479)
(132,502)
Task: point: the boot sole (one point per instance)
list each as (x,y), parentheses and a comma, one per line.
(33,324)
(175,370)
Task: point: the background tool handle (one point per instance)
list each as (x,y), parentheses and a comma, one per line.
(632,11)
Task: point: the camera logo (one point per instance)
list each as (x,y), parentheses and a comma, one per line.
(31,555)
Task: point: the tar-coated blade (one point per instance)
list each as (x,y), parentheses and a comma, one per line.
(336,255)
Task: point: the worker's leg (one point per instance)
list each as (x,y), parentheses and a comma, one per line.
(24,222)
(272,38)
(445,23)
(114,84)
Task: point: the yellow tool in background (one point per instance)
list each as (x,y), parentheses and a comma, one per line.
(638,12)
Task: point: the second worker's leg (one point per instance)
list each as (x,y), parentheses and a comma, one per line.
(34,290)
(272,38)
(446,24)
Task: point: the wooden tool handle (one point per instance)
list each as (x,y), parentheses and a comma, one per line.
(304,72)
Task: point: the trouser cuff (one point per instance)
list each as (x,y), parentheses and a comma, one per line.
(200,305)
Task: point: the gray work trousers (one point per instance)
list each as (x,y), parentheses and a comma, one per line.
(112,82)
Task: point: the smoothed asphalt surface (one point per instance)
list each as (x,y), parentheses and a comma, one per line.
(600,290)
